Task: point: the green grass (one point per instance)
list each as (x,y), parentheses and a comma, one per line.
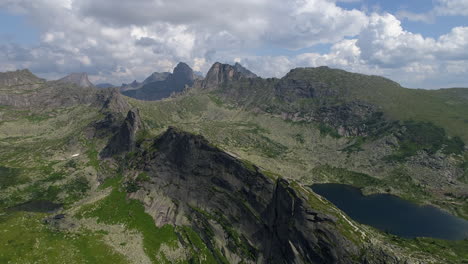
(199,252)
(446,250)
(76,188)
(143,177)
(340,175)
(117,209)
(326,130)
(425,136)
(24,239)
(10,177)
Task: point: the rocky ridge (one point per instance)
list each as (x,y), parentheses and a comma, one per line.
(232,205)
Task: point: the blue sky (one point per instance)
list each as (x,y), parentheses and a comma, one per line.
(15,28)
(419,43)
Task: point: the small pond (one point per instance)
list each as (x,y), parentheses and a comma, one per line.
(38,206)
(392,214)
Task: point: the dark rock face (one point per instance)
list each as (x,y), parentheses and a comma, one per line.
(258,220)
(78,78)
(222,73)
(125,138)
(291,90)
(295,231)
(162,85)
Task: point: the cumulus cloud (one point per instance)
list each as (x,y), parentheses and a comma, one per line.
(118,41)
(384,48)
(452,7)
(142,36)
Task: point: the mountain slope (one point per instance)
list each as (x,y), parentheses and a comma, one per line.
(162,195)
(214,190)
(305,93)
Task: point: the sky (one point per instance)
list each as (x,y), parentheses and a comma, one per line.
(418,43)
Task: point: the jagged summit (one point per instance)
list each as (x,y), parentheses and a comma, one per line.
(161,85)
(19,77)
(77,78)
(220,73)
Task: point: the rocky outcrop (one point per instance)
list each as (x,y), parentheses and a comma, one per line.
(125,139)
(111,101)
(162,85)
(222,73)
(78,78)
(290,90)
(236,209)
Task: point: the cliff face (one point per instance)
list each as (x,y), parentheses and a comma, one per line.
(235,208)
(125,139)
(222,73)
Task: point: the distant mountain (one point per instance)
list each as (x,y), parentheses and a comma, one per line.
(221,73)
(22,89)
(156,76)
(130,86)
(78,78)
(348,102)
(161,85)
(19,77)
(198,75)
(105,85)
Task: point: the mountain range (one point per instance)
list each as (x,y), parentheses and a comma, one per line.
(218,171)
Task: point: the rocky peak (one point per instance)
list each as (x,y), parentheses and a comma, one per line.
(78,78)
(125,138)
(134,83)
(182,75)
(19,77)
(220,73)
(111,100)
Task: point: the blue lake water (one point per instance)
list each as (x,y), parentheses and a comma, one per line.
(392,214)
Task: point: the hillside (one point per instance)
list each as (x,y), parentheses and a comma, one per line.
(217,174)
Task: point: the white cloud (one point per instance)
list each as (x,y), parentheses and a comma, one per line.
(118,41)
(451,7)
